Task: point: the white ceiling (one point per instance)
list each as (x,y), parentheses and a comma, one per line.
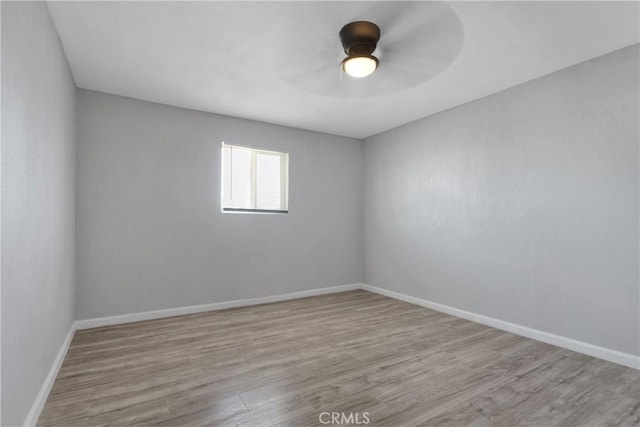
(278,62)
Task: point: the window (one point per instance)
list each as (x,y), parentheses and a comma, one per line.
(254,180)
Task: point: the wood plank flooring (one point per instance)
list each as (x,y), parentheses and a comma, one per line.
(283,364)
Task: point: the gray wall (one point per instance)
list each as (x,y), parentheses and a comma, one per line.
(150,232)
(522,206)
(38,212)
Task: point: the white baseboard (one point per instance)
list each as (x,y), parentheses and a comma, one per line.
(180,311)
(614,356)
(43,393)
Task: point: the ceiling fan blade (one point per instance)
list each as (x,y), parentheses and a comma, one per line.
(329,81)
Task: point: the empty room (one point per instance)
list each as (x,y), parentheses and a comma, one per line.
(310,213)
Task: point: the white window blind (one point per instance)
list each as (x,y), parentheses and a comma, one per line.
(254,180)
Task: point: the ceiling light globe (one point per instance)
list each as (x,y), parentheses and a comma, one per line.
(360,66)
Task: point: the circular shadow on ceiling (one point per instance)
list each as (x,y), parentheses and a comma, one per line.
(418,41)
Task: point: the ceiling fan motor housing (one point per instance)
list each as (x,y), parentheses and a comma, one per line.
(359,38)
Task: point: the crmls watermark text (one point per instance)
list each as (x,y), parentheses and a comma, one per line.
(343,418)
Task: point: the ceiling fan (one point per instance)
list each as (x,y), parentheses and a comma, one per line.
(395,45)
(359,40)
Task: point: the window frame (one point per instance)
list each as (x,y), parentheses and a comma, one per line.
(284,184)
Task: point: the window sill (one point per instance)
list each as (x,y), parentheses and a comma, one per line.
(254,211)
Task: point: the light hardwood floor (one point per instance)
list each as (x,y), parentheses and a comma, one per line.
(286,363)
